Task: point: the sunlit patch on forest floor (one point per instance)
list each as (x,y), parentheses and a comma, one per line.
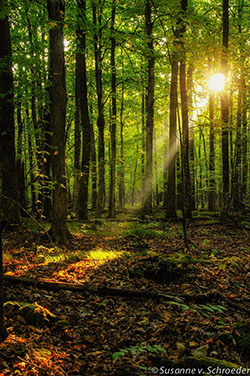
(73,333)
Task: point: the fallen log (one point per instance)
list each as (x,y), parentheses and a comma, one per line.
(107,291)
(125,293)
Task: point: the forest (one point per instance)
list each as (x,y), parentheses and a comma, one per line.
(124,187)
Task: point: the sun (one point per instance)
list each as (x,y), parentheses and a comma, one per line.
(216,82)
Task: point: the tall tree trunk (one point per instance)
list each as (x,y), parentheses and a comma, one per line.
(143,143)
(187,204)
(31,160)
(157,196)
(77,139)
(113,117)
(58,101)
(171,188)
(82,208)
(244,145)
(185,140)
(165,165)
(93,165)
(212,186)
(19,161)
(134,177)
(148,182)
(100,120)
(225,108)
(201,190)
(3,331)
(121,172)
(191,133)
(9,210)
(37,129)
(236,181)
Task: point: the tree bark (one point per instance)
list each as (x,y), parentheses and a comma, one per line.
(8,208)
(225,107)
(185,141)
(171,187)
(148,181)
(191,133)
(77,139)
(113,117)
(100,121)
(121,172)
(244,146)
(236,179)
(143,143)
(58,100)
(82,208)
(93,165)
(3,331)
(19,161)
(212,183)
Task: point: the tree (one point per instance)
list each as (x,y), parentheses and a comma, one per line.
(225,106)
(58,101)
(3,331)
(187,196)
(212,187)
(8,169)
(113,117)
(82,207)
(147,203)
(101,119)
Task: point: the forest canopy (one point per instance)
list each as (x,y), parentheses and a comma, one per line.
(107,104)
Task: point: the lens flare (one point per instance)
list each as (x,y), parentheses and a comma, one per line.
(216,82)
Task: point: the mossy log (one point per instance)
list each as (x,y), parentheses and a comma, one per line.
(206,361)
(106,291)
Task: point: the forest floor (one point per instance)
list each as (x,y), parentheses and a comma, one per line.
(198,302)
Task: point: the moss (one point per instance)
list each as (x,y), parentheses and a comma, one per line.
(206,361)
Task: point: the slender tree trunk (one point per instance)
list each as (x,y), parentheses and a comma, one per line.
(93,165)
(8,208)
(3,331)
(201,193)
(82,207)
(165,164)
(113,116)
(236,181)
(121,173)
(148,182)
(187,202)
(156,172)
(191,134)
(31,160)
(244,145)
(77,137)
(134,177)
(37,129)
(100,121)
(241,118)
(143,144)
(212,186)
(20,163)
(185,142)
(171,189)
(47,149)
(225,108)
(58,101)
